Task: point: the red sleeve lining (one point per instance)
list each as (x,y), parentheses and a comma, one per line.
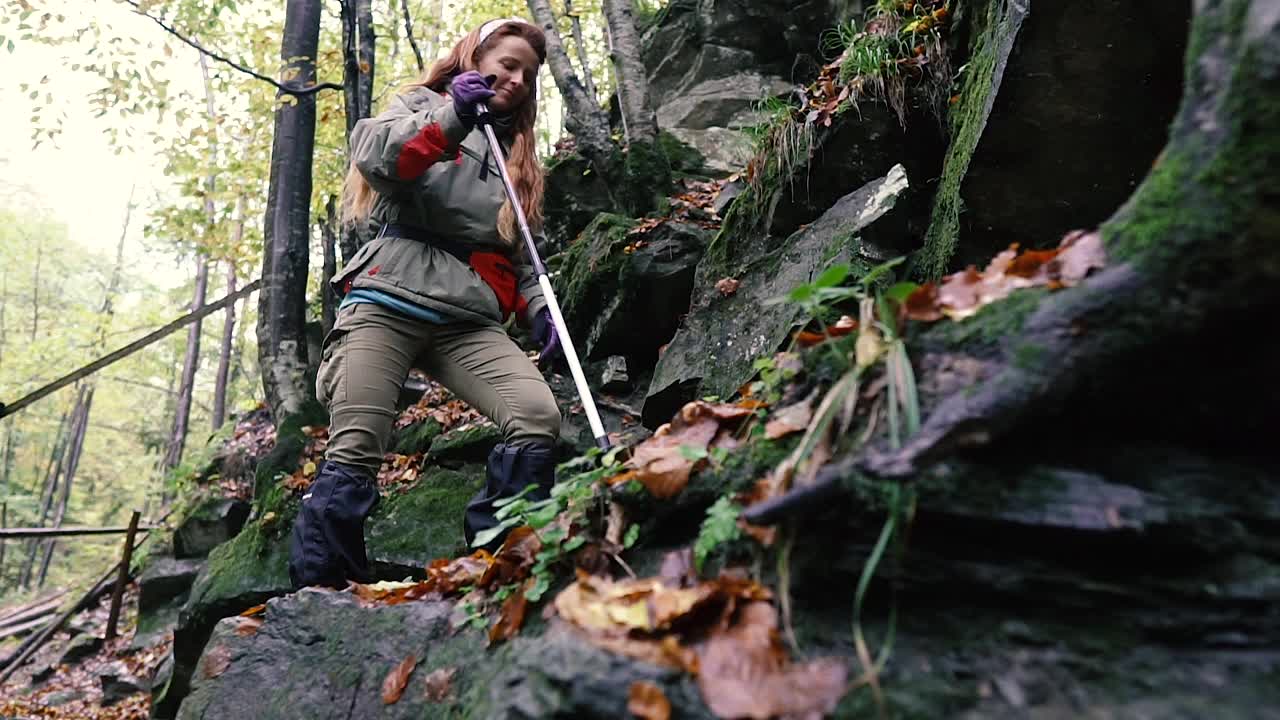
(421,152)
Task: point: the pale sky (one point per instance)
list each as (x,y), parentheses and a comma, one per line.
(82,182)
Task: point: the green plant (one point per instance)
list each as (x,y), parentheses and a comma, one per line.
(561,521)
(718,528)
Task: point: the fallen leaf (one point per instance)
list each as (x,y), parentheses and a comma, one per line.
(922,304)
(439,685)
(646,701)
(510,617)
(790,419)
(248,626)
(727,286)
(744,672)
(215,661)
(255,610)
(513,560)
(394,684)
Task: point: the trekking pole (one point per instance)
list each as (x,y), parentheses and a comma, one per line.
(557,318)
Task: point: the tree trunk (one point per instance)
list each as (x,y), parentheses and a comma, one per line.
(35,291)
(4,300)
(186,385)
(282,341)
(73,462)
(633,87)
(51,474)
(358,48)
(581,46)
(408,33)
(329,235)
(228,337)
(587,121)
(357,60)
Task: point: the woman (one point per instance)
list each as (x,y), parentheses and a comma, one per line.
(433,290)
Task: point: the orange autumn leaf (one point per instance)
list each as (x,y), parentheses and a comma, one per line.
(646,701)
(744,672)
(255,610)
(248,626)
(510,617)
(394,684)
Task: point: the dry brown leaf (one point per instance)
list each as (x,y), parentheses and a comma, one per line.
(510,617)
(727,286)
(216,661)
(790,419)
(744,672)
(922,304)
(248,626)
(514,559)
(1081,252)
(646,701)
(439,685)
(394,684)
(255,610)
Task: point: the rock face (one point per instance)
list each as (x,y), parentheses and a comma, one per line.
(319,654)
(1047,136)
(623,293)
(725,332)
(212,522)
(408,530)
(710,61)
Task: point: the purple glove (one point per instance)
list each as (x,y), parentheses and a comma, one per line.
(546,337)
(468,89)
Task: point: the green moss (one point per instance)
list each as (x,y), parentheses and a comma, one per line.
(1218,202)
(993,35)
(469,443)
(992,324)
(683,158)
(591,266)
(417,437)
(424,523)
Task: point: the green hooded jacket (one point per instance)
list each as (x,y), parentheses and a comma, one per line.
(434,172)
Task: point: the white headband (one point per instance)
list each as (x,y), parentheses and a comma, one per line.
(488,28)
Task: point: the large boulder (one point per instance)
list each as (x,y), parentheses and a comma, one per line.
(726,331)
(210,522)
(162,591)
(321,654)
(1047,135)
(623,292)
(711,61)
(408,529)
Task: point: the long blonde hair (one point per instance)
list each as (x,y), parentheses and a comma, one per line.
(522,163)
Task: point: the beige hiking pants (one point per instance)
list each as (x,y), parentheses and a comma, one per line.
(369,353)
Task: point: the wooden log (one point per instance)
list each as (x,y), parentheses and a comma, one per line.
(126,556)
(32,609)
(69,530)
(28,626)
(127,350)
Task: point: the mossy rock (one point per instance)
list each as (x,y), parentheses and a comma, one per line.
(416,438)
(411,528)
(470,443)
(211,521)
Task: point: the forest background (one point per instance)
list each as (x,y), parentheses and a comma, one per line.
(132,168)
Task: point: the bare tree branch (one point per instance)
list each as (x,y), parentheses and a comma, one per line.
(284,88)
(408,32)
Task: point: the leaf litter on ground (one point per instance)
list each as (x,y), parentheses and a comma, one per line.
(723,631)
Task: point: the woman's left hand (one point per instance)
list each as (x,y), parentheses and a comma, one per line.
(545,335)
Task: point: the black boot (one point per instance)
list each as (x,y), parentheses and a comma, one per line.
(510,470)
(327,547)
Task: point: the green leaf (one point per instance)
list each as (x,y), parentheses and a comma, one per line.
(633,534)
(484,537)
(832,276)
(541,583)
(719,527)
(574,543)
(901,291)
(881,270)
(690,452)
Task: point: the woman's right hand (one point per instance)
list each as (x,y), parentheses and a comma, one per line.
(468,89)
